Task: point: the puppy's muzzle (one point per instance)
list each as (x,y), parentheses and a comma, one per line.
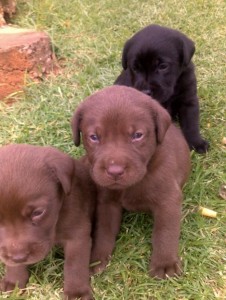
(16,254)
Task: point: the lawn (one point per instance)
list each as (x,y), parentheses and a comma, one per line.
(88,37)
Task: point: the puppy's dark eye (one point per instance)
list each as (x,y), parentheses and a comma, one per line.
(137,136)
(37,214)
(163,66)
(94,138)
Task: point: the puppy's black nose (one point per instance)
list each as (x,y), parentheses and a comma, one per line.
(115,171)
(147,92)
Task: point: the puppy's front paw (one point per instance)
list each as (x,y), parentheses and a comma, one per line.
(7,285)
(14,277)
(98,262)
(98,266)
(201,147)
(82,293)
(161,270)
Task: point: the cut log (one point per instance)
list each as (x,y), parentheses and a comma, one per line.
(23,53)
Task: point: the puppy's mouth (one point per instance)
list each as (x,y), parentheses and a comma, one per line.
(113,184)
(117,177)
(116,186)
(156,93)
(11,263)
(148,92)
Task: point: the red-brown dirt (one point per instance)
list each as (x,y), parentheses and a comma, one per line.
(22,53)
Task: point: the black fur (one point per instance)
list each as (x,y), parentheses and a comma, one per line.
(157,61)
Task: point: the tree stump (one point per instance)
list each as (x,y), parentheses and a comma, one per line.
(23,53)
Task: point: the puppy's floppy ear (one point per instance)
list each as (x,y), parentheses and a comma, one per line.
(75,124)
(187,50)
(61,168)
(125,55)
(162,120)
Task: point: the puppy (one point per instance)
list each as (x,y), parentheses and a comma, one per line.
(140,162)
(157,61)
(46,197)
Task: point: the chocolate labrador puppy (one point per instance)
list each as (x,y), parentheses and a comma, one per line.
(46,197)
(157,61)
(140,162)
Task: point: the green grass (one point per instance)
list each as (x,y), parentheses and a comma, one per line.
(88,36)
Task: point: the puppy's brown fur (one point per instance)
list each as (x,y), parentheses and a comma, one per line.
(46,197)
(140,161)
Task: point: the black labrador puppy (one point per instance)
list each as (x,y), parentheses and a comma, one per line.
(157,61)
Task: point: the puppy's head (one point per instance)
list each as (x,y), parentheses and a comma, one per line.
(33,183)
(155,58)
(121,129)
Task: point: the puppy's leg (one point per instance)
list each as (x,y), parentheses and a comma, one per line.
(164,260)
(189,122)
(14,276)
(108,220)
(76,265)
